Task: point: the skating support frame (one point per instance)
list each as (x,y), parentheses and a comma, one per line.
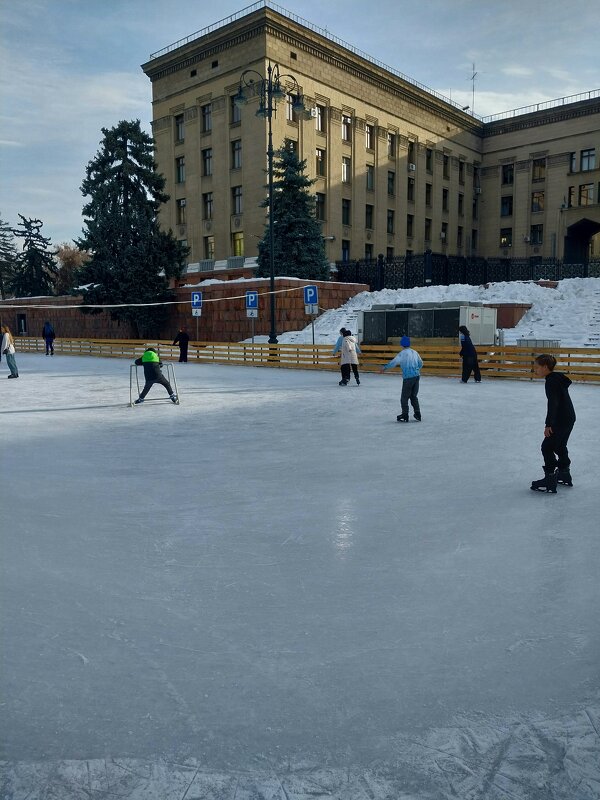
(170,370)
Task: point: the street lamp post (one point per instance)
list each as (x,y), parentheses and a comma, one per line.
(270,91)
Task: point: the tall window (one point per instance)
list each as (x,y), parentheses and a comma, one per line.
(207,166)
(391,139)
(537,201)
(506,206)
(571,197)
(369,217)
(237,205)
(508,174)
(209,248)
(459,236)
(370,137)
(368,252)
(320,162)
(180,207)
(179,128)
(235,112)
(346,170)
(445,195)
(586,194)
(236,154)
(389,253)
(291,145)
(461,205)
(461,172)
(410,190)
(444,233)
(536,234)
(390,220)
(345,212)
(538,171)
(474,240)
(428,191)
(346,128)
(207,205)
(505,237)
(410,225)
(237,243)
(320,206)
(345,250)
(291,113)
(180,169)
(427,229)
(320,118)
(588,159)
(429,159)
(391,183)
(412,152)
(206,117)
(446,171)
(370,178)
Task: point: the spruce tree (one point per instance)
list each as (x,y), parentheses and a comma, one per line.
(8,257)
(298,243)
(131,258)
(35,268)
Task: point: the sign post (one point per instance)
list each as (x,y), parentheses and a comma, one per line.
(311,305)
(252,308)
(197,309)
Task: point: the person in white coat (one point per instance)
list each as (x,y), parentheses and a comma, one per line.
(7,348)
(349,358)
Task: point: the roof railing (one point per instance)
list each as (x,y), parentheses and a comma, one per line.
(561,101)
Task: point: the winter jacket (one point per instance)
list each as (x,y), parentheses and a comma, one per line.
(182,339)
(7,345)
(151,364)
(561,413)
(350,350)
(48,331)
(409,361)
(467,348)
(338,345)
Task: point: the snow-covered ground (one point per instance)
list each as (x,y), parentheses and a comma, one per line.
(275,591)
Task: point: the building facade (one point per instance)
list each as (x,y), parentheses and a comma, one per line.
(398,169)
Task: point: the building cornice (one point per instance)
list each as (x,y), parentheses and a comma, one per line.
(535,119)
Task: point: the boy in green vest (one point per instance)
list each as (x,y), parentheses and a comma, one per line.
(152,364)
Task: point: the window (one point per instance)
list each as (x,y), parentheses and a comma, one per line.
(446,171)
(179,128)
(508,174)
(236,154)
(180,170)
(444,233)
(346,170)
(320,162)
(588,159)
(369,217)
(235,112)
(345,212)
(320,118)
(320,206)
(206,117)
(291,145)
(445,195)
(391,183)
(390,220)
(461,173)
(429,159)
(428,189)
(475,208)
(586,194)
(370,137)
(237,205)
(506,206)
(290,111)
(346,128)
(538,172)
(573,166)
(474,239)
(410,225)
(536,234)
(391,138)
(237,244)
(207,205)
(427,229)
(207,162)
(389,253)
(505,237)
(461,205)
(209,247)
(410,190)
(571,197)
(459,237)
(180,207)
(368,252)
(345,250)
(537,201)
(412,153)
(370,178)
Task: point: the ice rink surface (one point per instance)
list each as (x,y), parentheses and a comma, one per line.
(274,590)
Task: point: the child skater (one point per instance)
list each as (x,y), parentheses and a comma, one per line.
(152,364)
(560,419)
(410,362)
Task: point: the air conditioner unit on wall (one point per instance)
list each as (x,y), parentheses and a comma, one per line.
(412,167)
(526,239)
(313,112)
(442,235)
(477,190)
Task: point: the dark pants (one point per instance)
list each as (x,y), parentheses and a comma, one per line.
(149,384)
(410,390)
(470,364)
(183,348)
(345,369)
(554,449)
(49,345)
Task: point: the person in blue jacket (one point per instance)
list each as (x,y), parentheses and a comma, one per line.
(410,362)
(468,354)
(152,364)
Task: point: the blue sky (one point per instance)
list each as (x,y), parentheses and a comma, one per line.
(70,67)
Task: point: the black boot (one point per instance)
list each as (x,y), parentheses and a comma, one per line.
(402,418)
(547,484)
(563,476)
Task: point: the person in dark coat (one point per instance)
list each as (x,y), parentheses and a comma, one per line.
(152,364)
(48,336)
(468,354)
(560,418)
(182,339)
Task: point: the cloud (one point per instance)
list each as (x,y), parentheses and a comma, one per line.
(515,70)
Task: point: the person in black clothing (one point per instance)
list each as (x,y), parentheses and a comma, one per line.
(468,355)
(560,419)
(182,339)
(152,364)
(49,337)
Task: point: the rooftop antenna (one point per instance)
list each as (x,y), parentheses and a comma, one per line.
(472,79)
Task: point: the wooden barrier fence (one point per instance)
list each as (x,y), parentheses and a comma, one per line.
(580,363)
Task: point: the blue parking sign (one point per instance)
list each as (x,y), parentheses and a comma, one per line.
(196,299)
(311,296)
(252,299)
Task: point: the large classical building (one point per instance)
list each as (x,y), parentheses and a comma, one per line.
(398,168)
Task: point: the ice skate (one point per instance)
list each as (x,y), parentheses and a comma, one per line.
(138,401)
(563,476)
(173,398)
(343,383)
(418,417)
(546,484)
(402,418)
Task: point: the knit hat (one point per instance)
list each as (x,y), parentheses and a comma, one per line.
(405,341)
